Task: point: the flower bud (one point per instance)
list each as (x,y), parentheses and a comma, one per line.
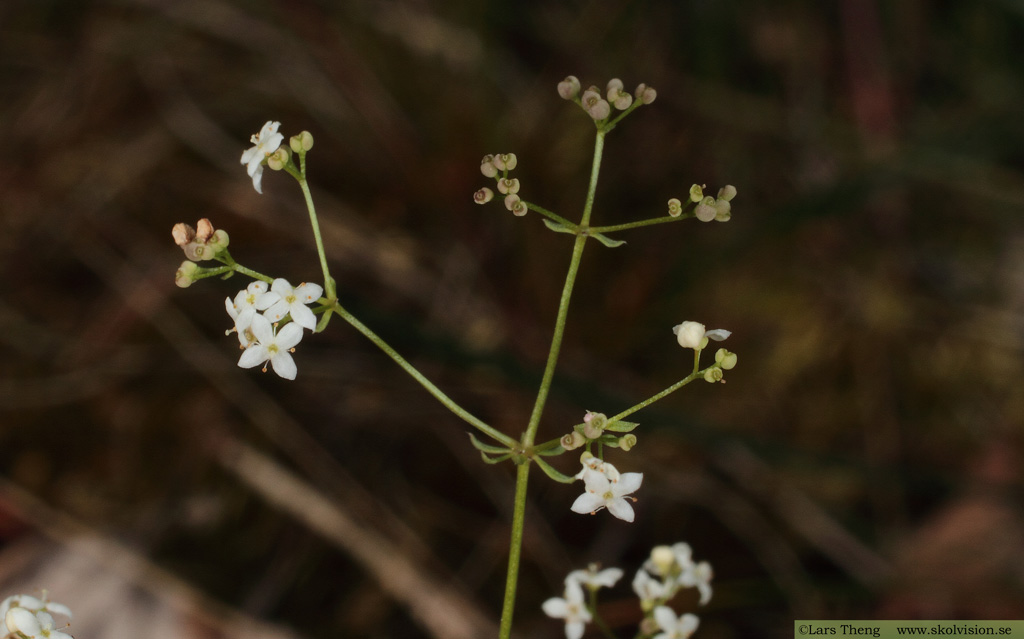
(519,208)
(508,185)
(725,359)
(483,196)
(690,334)
(511,200)
(569,88)
(302,142)
(598,109)
(278,159)
(723,210)
(183,234)
(645,94)
(573,440)
(487,166)
(705,210)
(663,560)
(696,193)
(505,161)
(186,274)
(597,420)
(727,192)
(204,230)
(713,374)
(627,441)
(220,240)
(198,252)
(675,207)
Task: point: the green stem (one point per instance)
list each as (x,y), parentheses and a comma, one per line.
(419,377)
(633,225)
(522,473)
(329,286)
(696,374)
(514,551)
(554,217)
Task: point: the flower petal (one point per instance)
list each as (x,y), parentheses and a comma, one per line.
(587,503)
(303,316)
(629,483)
(289,336)
(253,356)
(621,509)
(283,364)
(718,334)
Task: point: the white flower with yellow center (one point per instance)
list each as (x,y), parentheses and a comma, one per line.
(266,142)
(272,346)
(283,299)
(571,608)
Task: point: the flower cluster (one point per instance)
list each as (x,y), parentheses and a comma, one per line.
(707,208)
(29,617)
(606,487)
(599,106)
(257,312)
(693,335)
(668,570)
(199,244)
(497,166)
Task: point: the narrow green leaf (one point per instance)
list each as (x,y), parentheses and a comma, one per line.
(621,427)
(494,460)
(558,228)
(550,452)
(552,473)
(486,448)
(607,241)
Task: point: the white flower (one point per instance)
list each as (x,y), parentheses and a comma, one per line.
(571,608)
(283,300)
(692,335)
(272,346)
(266,142)
(593,578)
(243,308)
(674,627)
(698,575)
(33,604)
(604,492)
(592,466)
(32,625)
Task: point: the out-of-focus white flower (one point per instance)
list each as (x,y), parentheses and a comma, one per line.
(649,589)
(674,627)
(593,578)
(266,142)
(603,492)
(571,608)
(272,346)
(698,575)
(283,299)
(34,625)
(692,335)
(33,604)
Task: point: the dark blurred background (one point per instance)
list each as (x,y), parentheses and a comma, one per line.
(863,460)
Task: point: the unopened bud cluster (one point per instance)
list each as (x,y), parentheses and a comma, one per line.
(599,105)
(707,208)
(199,244)
(597,428)
(497,166)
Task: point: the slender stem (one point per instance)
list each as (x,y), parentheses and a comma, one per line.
(633,225)
(554,217)
(329,286)
(697,374)
(522,472)
(419,377)
(514,551)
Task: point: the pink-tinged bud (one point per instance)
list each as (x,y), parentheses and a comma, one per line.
(511,200)
(646,94)
(569,88)
(623,101)
(183,234)
(573,440)
(198,252)
(519,209)
(706,210)
(204,230)
(483,196)
(596,107)
(613,89)
(675,207)
(487,166)
(508,185)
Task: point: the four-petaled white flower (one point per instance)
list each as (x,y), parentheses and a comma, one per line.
(571,608)
(34,625)
(693,335)
(698,575)
(674,627)
(283,299)
(33,604)
(649,589)
(608,489)
(266,142)
(243,308)
(272,346)
(593,578)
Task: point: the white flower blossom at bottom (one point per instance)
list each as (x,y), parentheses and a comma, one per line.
(272,346)
(571,608)
(38,625)
(674,627)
